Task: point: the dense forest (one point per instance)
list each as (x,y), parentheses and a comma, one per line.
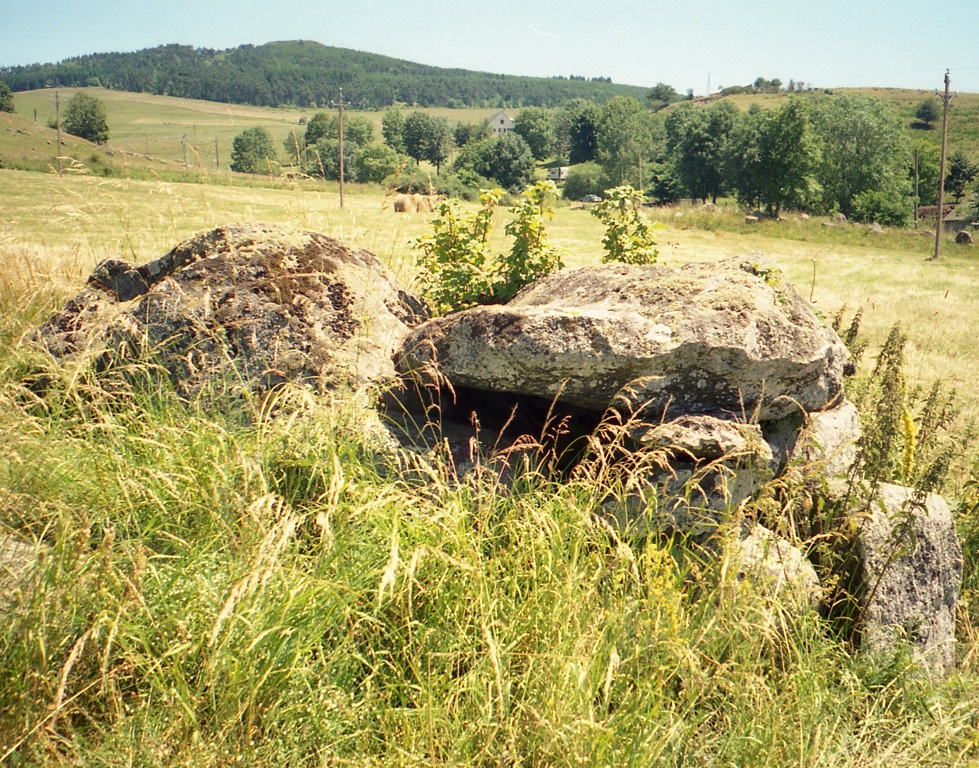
(305,73)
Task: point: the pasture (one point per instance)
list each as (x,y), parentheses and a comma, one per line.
(150,131)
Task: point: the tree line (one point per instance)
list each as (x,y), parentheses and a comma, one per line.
(304,74)
(821,152)
(818,151)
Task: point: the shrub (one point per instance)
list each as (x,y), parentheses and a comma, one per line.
(458,271)
(252,151)
(628,233)
(583,180)
(883,208)
(531,255)
(85,118)
(410,178)
(511,162)
(324,159)
(374,163)
(460,186)
(454,257)
(6,98)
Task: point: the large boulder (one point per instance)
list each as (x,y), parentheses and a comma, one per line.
(699,470)
(16,559)
(775,567)
(824,440)
(909,572)
(706,438)
(253,304)
(725,338)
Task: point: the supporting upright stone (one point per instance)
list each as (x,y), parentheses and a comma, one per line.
(910,565)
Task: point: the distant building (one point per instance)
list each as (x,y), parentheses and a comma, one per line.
(557,174)
(501,122)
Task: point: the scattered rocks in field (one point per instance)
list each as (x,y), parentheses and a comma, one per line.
(253,305)
(964,237)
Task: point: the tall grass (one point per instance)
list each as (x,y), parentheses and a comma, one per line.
(213,591)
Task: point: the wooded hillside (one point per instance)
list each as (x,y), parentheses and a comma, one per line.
(305,73)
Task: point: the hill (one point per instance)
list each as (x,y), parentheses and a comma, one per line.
(305,73)
(152,132)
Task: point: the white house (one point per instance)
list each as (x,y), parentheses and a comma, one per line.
(501,122)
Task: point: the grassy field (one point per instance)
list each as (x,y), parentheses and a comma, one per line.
(151,130)
(233,589)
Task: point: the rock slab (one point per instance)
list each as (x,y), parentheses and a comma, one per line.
(727,338)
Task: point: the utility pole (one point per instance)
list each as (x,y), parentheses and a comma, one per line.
(340,130)
(640,170)
(946,97)
(184,139)
(57,124)
(916,186)
(217,160)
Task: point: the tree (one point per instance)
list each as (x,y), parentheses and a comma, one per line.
(317,127)
(252,151)
(392,125)
(576,128)
(863,149)
(295,148)
(929,164)
(438,142)
(374,163)
(662,94)
(697,139)
(415,133)
(85,117)
(536,127)
(6,98)
(466,132)
(928,112)
(324,159)
(773,156)
(473,161)
(326,125)
(961,173)
(623,136)
(511,162)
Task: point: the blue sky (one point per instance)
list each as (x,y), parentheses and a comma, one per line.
(828,43)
